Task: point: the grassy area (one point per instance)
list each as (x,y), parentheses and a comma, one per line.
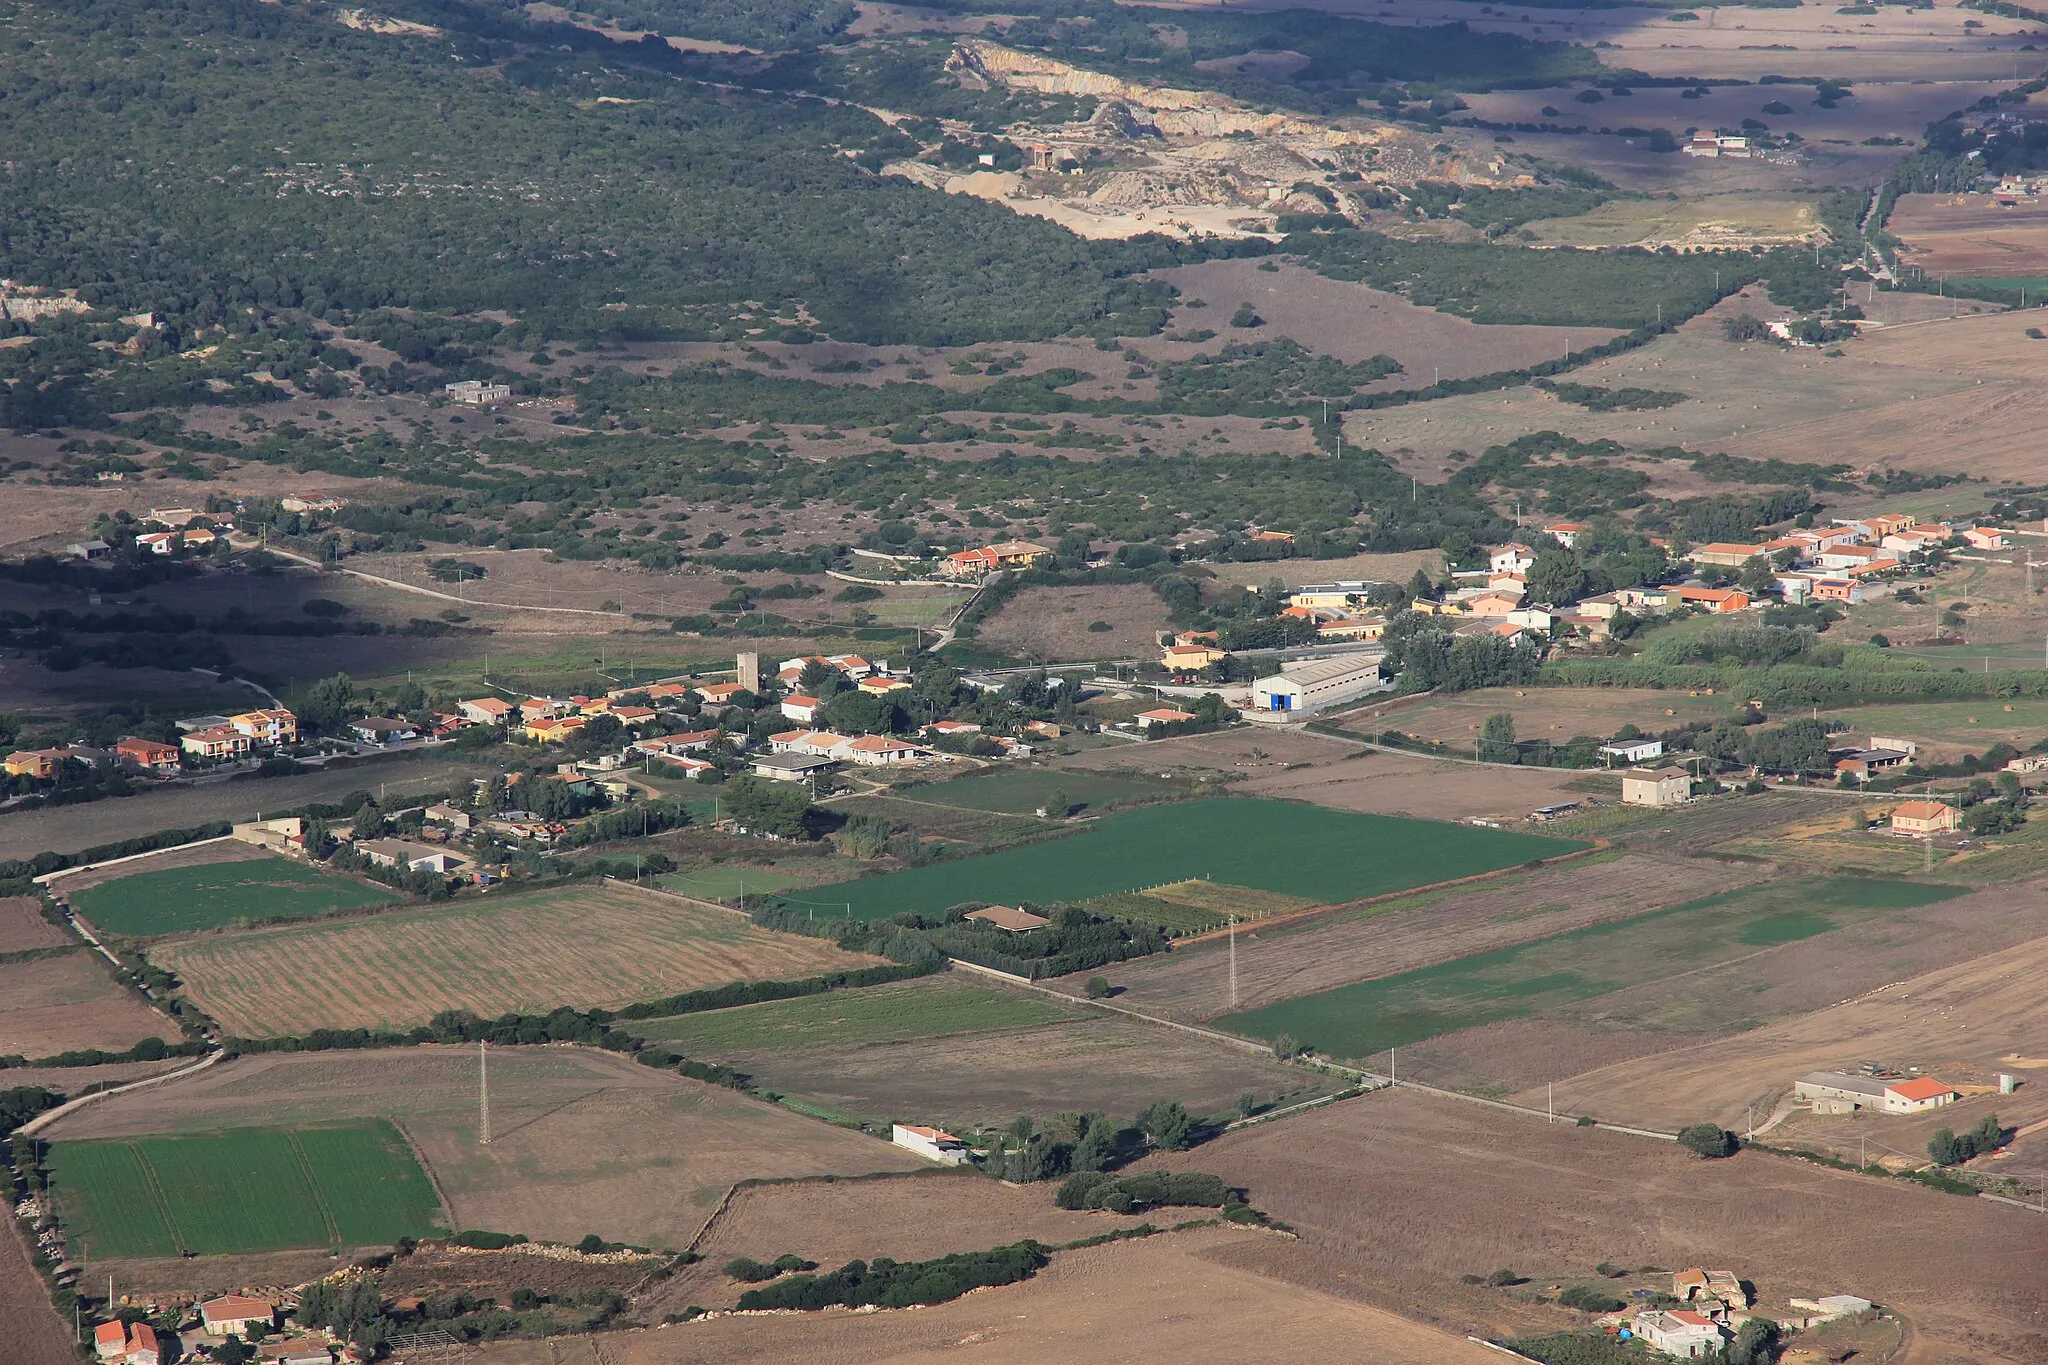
(184,899)
(880,1014)
(728,882)
(1307,851)
(1369,1017)
(244,1190)
(1147,908)
(1021,791)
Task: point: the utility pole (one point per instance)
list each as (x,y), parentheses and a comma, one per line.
(1549,1102)
(1233,962)
(1391,1078)
(483,1061)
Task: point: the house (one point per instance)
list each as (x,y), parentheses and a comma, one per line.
(476,392)
(1515,583)
(383,730)
(1565,533)
(1721,1287)
(1925,818)
(1045,729)
(877,750)
(1650,601)
(1633,751)
(1010,918)
(1189,658)
(110,1340)
(1538,619)
(1164,715)
(234,1313)
(445,814)
(805,709)
(310,504)
(89,549)
(1338,596)
(2028,763)
(692,767)
(1274,537)
(1679,1331)
(792,767)
(1840,557)
(1919,539)
(408,855)
(1513,557)
(945,728)
(720,694)
(271,726)
(1987,538)
(40,764)
(1715,600)
(1713,145)
(487,711)
(147,755)
(1010,554)
(216,742)
(1837,589)
(1725,554)
(158,542)
(879,686)
(555,729)
(199,538)
(1492,602)
(1917,1095)
(852,665)
(936,1143)
(690,742)
(1656,787)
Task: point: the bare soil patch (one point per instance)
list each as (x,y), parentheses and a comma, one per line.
(1354,322)
(582,1141)
(1174,1297)
(1556,714)
(1414,931)
(1397,1195)
(56,1004)
(496,1274)
(1403,784)
(23,927)
(34,1334)
(1052,624)
(1398,567)
(1965,236)
(986,1079)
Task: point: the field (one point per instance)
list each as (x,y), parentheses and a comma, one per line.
(1411,932)
(28,1324)
(1718,220)
(1181,1296)
(1547,975)
(244,1190)
(582,1141)
(903,1012)
(55,1004)
(1396,1196)
(583,945)
(23,928)
(983,1080)
(1049,625)
(1553,713)
(185,899)
(1022,791)
(1195,906)
(1297,850)
(730,881)
(1960,236)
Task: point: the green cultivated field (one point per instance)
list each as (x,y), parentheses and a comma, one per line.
(244,1190)
(183,899)
(878,1014)
(1317,854)
(1021,791)
(729,883)
(1369,1017)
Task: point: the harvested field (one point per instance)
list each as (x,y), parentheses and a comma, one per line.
(497,1274)
(57,1004)
(1223,751)
(914,1218)
(22,926)
(1398,567)
(931,1007)
(1397,1195)
(1354,322)
(583,946)
(66,829)
(1962,1021)
(1966,235)
(583,1141)
(1412,932)
(153,900)
(983,1080)
(1422,787)
(1048,625)
(34,1334)
(1617,974)
(243,1190)
(1176,1297)
(1556,714)
(1297,850)
(70,1080)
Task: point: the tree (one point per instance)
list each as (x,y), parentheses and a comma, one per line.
(1557,576)
(863,713)
(770,807)
(1756,577)
(1168,1124)
(1058,805)
(1755,1344)
(1497,739)
(1098,987)
(819,679)
(1708,1140)
(327,704)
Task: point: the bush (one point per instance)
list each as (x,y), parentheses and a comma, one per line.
(747,1270)
(1708,1140)
(1501,1279)
(486,1241)
(1947,1148)
(1146,1190)
(1587,1299)
(887,1284)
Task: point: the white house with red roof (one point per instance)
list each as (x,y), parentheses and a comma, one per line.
(801,708)
(935,1143)
(1679,1332)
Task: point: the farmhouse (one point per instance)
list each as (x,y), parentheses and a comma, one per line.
(1838,1092)
(1925,817)
(1310,685)
(487,711)
(234,1313)
(1987,538)
(89,549)
(1164,715)
(1720,1286)
(131,1344)
(1010,918)
(442,813)
(1633,751)
(877,750)
(476,392)
(147,755)
(1010,554)
(1188,658)
(1914,1096)
(943,728)
(1655,787)
(1679,1332)
(936,1143)
(410,856)
(216,742)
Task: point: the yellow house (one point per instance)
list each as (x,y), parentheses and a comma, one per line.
(554,729)
(1186,658)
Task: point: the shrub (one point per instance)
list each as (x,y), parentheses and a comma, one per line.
(1501,1279)
(486,1241)
(886,1283)
(1708,1140)
(1587,1299)
(747,1270)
